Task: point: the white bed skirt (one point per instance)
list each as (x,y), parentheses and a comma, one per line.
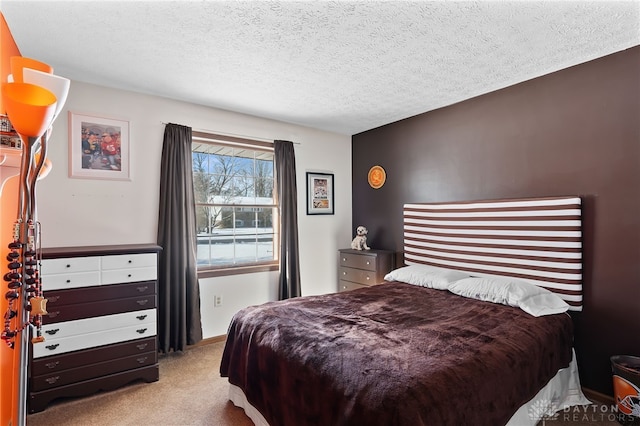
(236,395)
(562,391)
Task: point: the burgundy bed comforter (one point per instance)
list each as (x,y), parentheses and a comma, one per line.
(392,354)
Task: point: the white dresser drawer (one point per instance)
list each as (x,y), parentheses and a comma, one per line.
(69,280)
(126,261)
(70,265)
(129,275)
(61,330)
(90,340)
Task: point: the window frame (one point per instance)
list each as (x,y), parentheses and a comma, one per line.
(245,268)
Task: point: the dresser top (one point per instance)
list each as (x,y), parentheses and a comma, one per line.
(56,252)
(372,251)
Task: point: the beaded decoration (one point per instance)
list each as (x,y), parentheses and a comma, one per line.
(23,279)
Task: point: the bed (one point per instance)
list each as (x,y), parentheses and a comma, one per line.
(473,329)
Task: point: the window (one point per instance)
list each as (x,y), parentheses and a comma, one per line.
(236,207)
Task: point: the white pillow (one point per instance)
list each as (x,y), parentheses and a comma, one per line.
(532,299)
(426,276)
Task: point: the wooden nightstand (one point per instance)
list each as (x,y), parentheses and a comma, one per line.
(362,268)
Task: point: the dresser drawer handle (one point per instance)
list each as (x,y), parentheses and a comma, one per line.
(52,365)
(141,317)
(52,380)
(344,273)
(143,288)
(344,259)
(52,332)
(142,302)
(130,261)
(367,278)
(52,347)
(128,275)
(141,330)
(368,263)
(68,281)
(141,360)
(53,314)
(68,265)
(142,346)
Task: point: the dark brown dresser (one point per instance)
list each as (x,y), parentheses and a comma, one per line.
(361,268)
(100,330)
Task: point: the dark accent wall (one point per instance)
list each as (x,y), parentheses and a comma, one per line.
(572,132)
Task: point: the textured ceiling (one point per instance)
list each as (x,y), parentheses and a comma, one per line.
(342,66)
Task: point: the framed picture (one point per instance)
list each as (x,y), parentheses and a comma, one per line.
(9,138)
(320,193)
(98,147)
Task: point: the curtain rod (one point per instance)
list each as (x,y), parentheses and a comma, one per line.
(233,135)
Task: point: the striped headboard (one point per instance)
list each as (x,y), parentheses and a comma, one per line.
(537,240)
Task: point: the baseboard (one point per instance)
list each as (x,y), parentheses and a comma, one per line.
(597,396)
(209,341)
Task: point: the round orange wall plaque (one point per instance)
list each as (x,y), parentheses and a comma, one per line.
(377,176)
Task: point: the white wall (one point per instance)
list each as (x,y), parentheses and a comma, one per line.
(81,212)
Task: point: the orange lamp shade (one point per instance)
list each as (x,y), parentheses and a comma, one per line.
(59,86)
(18,63)
(30,108)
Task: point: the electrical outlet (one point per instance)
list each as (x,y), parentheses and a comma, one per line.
(217,300)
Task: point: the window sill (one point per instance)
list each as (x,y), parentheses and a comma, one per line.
(237,270)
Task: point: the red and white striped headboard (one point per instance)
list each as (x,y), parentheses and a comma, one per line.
(538,240)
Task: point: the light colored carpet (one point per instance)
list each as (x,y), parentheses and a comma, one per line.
(191,392)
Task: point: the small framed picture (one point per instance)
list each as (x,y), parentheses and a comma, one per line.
(9,138)
(320,193)
(98,147)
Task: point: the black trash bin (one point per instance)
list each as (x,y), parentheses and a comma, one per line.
(626,388)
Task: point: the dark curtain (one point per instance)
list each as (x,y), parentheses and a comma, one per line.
(179,322)
(285,162)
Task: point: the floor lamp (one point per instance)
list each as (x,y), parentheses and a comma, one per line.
(33,98)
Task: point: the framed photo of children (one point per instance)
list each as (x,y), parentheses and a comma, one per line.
(98,147)
(320,193)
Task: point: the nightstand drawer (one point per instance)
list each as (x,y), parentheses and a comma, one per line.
(348,285)
(357,276)
(359,261)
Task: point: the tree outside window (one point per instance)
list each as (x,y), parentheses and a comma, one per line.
(235,205)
